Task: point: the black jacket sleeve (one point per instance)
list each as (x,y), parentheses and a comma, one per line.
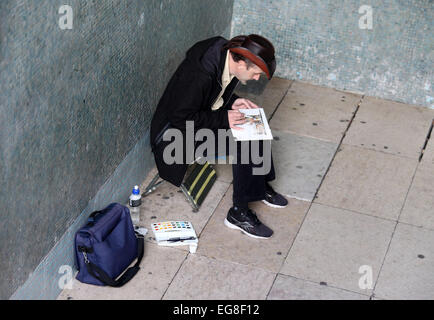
(231,101)
(189,103)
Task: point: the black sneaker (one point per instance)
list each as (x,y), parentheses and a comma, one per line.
(274,199)
(246,221)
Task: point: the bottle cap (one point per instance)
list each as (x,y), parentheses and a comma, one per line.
(136,190)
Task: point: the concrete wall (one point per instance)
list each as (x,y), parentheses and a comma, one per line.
(321,42)
(75,108)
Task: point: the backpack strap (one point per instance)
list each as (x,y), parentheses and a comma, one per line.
(102,276)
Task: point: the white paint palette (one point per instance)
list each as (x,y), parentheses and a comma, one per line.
(175,233)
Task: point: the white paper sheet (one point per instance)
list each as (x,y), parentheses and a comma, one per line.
(256,128)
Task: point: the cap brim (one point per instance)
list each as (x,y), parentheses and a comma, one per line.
(268,69)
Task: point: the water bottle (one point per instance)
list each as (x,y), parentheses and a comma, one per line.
(134,205)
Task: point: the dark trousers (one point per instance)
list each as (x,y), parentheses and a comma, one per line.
(248,187)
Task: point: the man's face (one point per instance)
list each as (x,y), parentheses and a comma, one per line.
(245,74)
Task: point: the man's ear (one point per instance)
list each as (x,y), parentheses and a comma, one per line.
(241,65)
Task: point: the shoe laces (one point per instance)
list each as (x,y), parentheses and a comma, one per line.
(252,215)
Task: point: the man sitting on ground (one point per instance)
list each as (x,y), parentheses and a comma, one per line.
(201,90)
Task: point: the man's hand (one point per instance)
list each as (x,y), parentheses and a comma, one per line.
(242,103)
(235,118)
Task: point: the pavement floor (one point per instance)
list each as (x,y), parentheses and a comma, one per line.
(358,173)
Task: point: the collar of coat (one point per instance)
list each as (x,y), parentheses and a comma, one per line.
(209,56)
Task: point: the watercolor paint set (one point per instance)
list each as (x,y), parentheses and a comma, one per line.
(175,233)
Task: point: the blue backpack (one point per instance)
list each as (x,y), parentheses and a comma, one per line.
(106,246)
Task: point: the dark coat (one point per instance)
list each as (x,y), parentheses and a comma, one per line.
(189,95)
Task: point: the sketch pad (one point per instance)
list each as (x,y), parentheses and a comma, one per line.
(256,128)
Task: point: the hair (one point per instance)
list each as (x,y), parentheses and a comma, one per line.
(237,58)
(238,42)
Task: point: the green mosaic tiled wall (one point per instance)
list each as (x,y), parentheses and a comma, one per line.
(322,42)
(73,104)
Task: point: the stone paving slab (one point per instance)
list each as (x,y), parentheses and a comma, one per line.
(315,111)
(347,226)
(300,164)
(220,242)
(419,206)
(367,181)
(266,94)
(408,269)
(333,244)
(290,288)
(157,269)
(168,203)
(205,278)
(390,127)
